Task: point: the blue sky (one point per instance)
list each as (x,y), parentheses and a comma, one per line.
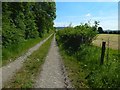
(81,12)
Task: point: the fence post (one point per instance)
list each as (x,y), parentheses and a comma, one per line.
(102,53)
(108,51)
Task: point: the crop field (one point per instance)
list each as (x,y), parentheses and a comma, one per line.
(111,38)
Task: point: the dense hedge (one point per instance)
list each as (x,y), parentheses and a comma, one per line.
(72,38)
(26,20)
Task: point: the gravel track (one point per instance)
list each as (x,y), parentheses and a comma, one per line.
(8,71)
(52,74)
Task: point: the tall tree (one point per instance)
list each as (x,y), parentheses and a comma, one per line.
(25,20)
(100,30)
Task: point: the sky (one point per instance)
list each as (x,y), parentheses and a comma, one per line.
(82,12)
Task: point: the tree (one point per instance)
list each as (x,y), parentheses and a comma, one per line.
(100,30)
(26,20)
(45,13)
(96,23)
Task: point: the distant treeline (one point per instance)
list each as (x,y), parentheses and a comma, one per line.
(59,27)
(26,20)
(112,32)
(100,30)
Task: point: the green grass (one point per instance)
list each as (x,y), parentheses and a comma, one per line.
(25,78)
(10,53)
(84,68)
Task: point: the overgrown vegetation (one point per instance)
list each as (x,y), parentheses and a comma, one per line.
(71,38)
(82,59)
(25,78)
(22,22)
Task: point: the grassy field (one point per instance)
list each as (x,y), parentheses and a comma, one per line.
(9,54)
(113,40)
(25,78)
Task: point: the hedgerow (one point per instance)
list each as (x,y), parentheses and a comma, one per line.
(71,38)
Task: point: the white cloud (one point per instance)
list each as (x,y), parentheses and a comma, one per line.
(88,15)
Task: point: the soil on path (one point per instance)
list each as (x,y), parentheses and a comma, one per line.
(52,74)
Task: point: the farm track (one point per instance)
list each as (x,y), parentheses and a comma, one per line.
(8,71)
(53,72)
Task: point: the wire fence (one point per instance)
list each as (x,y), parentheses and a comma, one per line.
(110,43)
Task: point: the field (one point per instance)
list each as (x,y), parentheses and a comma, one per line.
(112,38)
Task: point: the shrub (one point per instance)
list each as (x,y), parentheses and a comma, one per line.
(72,38)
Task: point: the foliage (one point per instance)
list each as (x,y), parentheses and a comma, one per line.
(10,34)
(100,30)
(44,15)
(112,32)
(26,20)
(72,38)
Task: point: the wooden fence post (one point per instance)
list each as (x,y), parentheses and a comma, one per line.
(108,51)
(102,53)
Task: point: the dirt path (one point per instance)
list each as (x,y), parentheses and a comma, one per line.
(52,74)
(9,70)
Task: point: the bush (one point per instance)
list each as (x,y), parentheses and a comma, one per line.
(72,38)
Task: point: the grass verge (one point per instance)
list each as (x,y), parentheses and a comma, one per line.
(9,54)
(25,78)
(85,71)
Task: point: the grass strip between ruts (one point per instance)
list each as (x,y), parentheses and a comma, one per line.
(25,77)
